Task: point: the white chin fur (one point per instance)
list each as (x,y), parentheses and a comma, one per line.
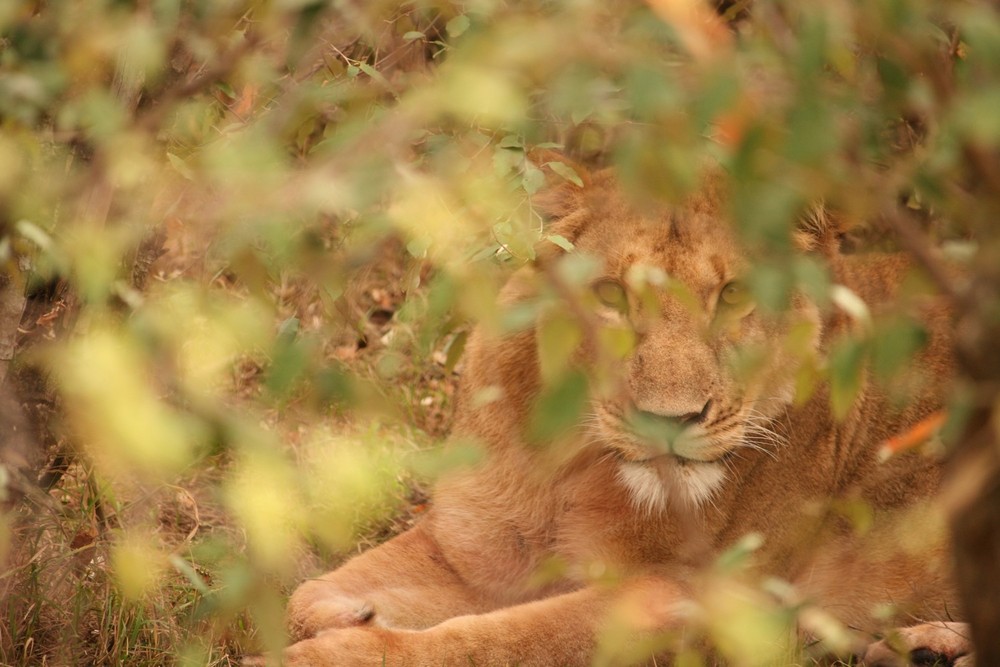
(655,485)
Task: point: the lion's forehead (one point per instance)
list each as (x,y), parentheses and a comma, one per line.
(700,253)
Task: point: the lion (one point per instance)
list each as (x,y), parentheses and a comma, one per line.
(526,557)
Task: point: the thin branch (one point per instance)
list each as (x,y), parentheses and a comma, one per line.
(588,321)
(218,71)
(915,242)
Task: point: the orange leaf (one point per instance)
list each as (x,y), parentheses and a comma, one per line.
(917,434)
(701,30)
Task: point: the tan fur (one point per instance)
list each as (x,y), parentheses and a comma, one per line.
(464,586)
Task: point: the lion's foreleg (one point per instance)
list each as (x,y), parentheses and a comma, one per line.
(404,583)
(616,624)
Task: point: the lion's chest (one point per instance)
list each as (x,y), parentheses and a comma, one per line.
(597,528)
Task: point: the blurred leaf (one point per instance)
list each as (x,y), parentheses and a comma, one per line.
(455,349)
(619,342)
(351,481)
(851,304)
(746,625)
(813,277)
(894,345)
(375,74)
(558,336)
(858,512)
(458,25)
(195,579)
(263,494)
(656,166)
(559,407)
(457,454)
(121,419)
(811,137)
(739,555)
(288,330)
(477,92)
(533,180)
(334,386)
(34,233)
(181,166)
(137,566)
(512,141)
(505,161)
(142,53)
(560,241)
(288,365)
(771,286)
(566,172)
(847,367)
(976,116)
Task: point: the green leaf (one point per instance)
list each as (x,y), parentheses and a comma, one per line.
(533,179)
(34,233)
(418,247)
(505,160)
(558,336)
(561,241)
(847,362)
(738,556)
(289,360)
(894,345)
(413,35)
(375,74)
(771,286)
(566,172)
(455,350)
(457,25)
(578,116)
(286,369)
(181,166)
(619,342)
(288,330)
(559,407)
(189,573)
(332,386)
(226,89)
(511,141)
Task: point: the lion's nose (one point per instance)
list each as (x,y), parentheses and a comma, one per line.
(683,419)
(695,417)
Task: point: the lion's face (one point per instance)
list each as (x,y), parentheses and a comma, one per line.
(686,405)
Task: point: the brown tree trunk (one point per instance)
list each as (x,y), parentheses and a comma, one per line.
(973,487)
(976,534)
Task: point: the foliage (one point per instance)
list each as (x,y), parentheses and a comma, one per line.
(305,164)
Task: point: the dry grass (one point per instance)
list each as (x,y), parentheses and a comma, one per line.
(61,594)
(60,597)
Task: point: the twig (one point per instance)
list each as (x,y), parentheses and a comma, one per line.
(226,63)
(588,321)
(194,509)
(919,247)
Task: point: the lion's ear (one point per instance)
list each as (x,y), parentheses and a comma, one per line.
(565,182)
(561,201)
(820,230)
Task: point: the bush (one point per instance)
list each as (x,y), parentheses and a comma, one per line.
(243,243)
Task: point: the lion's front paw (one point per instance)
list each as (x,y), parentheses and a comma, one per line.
(313,609)
(927,645)
(347,647)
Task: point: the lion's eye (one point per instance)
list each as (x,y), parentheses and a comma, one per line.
(611,293)
(735,294)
